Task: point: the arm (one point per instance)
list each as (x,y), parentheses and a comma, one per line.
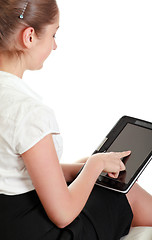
(82,160)
(61,203)
(70,170)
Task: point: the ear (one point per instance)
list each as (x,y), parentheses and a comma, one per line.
(28,37)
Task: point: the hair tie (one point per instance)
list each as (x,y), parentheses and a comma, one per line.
(24,9)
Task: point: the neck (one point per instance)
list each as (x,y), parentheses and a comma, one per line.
(12,65)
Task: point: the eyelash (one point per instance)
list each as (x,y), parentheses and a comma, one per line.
(54,36)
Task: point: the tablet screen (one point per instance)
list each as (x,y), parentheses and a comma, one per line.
(139,141)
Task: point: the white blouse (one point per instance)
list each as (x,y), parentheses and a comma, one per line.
(24,121)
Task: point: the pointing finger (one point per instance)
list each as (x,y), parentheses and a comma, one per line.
(125,154)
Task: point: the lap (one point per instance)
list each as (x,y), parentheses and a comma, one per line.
(106,215)
(109,212)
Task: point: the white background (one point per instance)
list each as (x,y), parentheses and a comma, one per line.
(101,70)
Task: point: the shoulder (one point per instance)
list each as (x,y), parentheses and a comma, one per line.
(15,105)
(34,121)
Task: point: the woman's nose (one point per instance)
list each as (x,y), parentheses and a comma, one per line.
(55,45)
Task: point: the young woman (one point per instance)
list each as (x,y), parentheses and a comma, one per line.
(36,203)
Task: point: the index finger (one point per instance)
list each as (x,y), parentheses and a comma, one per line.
(125,154)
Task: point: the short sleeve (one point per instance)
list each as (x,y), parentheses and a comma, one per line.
(33,126)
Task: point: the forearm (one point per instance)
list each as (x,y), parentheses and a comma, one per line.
(70,170)
(82,160)
(81,188)
(72,199)
(79,191)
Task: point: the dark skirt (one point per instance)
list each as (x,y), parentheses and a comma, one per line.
(106,216)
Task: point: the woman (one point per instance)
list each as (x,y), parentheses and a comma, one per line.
(35,201)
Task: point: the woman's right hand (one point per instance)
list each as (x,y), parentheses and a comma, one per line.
(110,162)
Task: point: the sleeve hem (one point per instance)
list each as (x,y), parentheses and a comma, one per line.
(37,140)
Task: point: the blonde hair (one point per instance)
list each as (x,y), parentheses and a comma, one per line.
(35,13)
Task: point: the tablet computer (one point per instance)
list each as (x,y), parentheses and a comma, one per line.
(128,134)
